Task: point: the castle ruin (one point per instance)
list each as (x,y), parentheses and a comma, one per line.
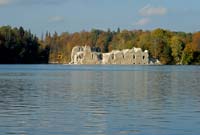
(88,55)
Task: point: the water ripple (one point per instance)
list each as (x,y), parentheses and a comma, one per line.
(100,100)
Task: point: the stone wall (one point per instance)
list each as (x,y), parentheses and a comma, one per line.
(85,55)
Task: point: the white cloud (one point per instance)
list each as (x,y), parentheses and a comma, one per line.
(149,10)
(56,19)
(5,2)
(143,21)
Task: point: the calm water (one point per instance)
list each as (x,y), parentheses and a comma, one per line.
(99,100)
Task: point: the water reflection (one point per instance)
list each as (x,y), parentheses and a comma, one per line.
(101,101)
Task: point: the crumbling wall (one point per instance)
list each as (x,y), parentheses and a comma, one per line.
(84,55)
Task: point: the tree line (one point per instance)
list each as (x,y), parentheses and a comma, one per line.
(167,46)
(21,46)
(18,46)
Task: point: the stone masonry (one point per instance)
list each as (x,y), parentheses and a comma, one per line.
(85,55)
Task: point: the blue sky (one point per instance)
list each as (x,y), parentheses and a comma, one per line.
(77,15)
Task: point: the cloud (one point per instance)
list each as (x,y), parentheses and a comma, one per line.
(5,2)
(149,10)
(143,21)
(56,19)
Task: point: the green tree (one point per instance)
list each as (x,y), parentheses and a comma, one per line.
(177,48)
(187,57)
(19,46)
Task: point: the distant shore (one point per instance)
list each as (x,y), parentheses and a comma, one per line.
(19,46)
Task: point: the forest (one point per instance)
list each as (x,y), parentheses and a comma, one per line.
(20,46)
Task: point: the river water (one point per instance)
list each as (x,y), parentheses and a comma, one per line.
(99,100)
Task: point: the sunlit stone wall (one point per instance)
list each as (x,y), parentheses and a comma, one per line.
(85,55)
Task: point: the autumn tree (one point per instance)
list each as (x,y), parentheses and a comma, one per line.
(196,42)
(177,48)
(187,57)
(160,48)
(145,41)
(167,46)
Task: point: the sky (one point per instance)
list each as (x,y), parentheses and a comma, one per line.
(76,15)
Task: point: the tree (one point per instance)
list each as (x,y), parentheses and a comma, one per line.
(177,48)
(118,30)
(94,36)
(158,42)
(104,40)
(169,47)
(19,46)
(191,53)
(196,42)
(145,41)
(165,56)
(187,57)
